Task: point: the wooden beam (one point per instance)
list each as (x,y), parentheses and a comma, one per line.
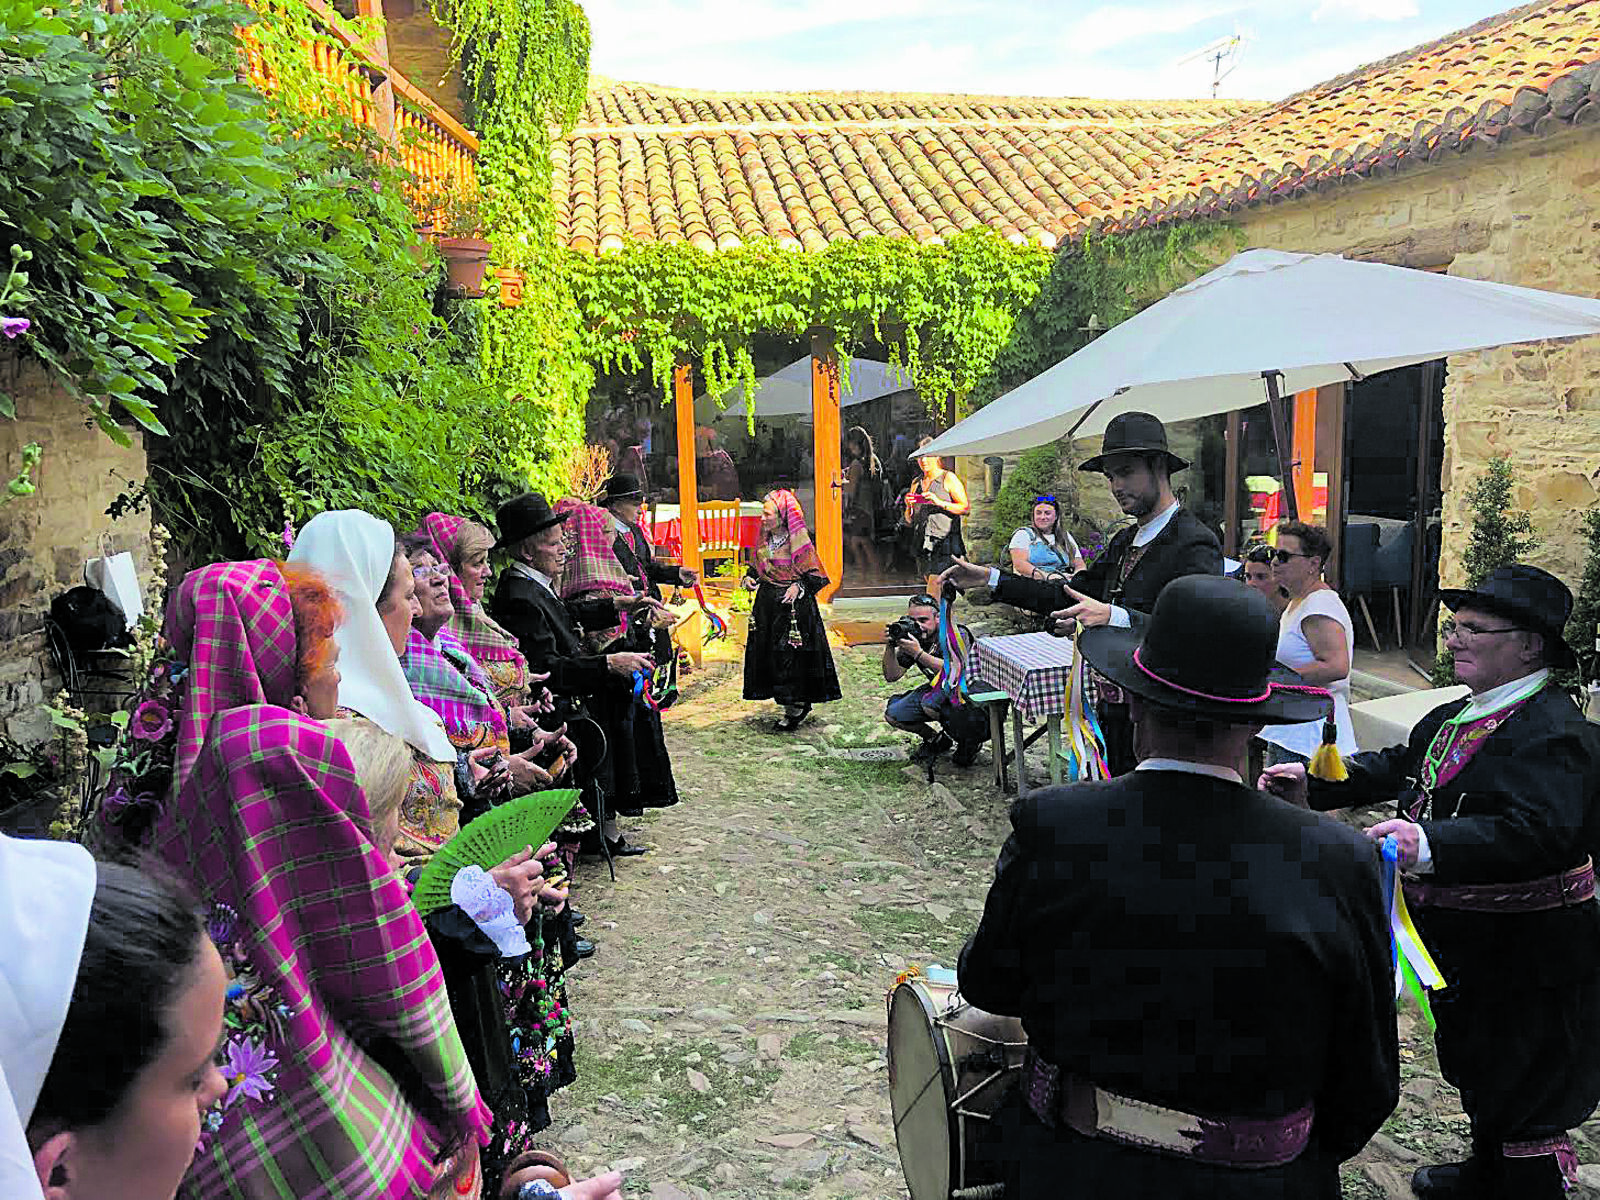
(688,498)
(383,94)
(826,467)
(1419,542)
(1304,464)
(1336,396)
(1230,486)
(1280,441)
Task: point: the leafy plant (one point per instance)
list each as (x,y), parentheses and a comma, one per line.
(1036,474)
(1500,535)
(1584,626)
(453,210)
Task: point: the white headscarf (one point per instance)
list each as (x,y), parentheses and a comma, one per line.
(46,889)
(354,552)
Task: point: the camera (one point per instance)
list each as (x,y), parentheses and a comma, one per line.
(901,627)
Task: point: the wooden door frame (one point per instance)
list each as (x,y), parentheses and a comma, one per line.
(826,465)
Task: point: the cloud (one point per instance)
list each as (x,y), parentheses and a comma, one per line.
(1119,24)
(1366,10)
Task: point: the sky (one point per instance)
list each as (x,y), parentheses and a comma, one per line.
(1126,49)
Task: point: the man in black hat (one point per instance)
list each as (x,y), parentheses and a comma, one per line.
(1496,824)
(623,498)
(1164,543)
(1203,970)
(549,630)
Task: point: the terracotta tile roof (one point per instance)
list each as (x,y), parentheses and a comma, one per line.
(718,169)
(1527,71)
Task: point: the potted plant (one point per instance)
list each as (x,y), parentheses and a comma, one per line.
(459,227)
(509,281)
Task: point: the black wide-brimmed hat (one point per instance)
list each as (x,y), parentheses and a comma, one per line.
(1208,650)
(1535,600)
(1134,433)
(523,516)
(621,486)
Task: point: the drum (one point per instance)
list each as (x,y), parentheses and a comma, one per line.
(950,1066)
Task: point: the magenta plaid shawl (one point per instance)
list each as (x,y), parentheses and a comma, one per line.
(792,557)
(472,626)
(273,832)
(447,679)
(233,624)
(591,570)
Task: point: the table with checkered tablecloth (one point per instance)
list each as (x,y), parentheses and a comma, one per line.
(1032,670)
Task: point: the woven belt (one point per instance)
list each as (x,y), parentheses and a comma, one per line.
(1057,1098)
(1533,895)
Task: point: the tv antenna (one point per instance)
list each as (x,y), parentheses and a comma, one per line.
(1223,55)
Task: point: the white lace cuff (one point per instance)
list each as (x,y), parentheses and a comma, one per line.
(491,909)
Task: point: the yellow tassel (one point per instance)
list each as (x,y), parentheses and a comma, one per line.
(1327,763)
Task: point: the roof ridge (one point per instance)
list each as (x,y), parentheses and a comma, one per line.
(855,124)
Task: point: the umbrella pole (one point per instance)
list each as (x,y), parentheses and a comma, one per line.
(1280,438)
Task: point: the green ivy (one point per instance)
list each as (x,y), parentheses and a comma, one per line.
(1036,474)
(1584,626)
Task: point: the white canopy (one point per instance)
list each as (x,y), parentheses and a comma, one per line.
(787,392)
(1315,318)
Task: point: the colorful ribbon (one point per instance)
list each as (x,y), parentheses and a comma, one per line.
(1414,968)
(653,690)
(951,681)
(1086,745)
(718,623)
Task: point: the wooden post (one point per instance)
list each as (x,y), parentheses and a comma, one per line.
(1304,439)
(1431,371)
(1230,486)
(1280,441)
(692,634)
(825,454)
(1336,395)
(383,93)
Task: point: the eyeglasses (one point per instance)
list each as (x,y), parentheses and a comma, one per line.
(1284,556)
(424,572)
(1451,627)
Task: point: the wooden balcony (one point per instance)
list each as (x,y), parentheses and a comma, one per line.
(428,142)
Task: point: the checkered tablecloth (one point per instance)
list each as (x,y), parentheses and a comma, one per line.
(1031,668)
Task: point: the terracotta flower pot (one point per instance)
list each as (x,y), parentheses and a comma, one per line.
(465,261)
(510,286)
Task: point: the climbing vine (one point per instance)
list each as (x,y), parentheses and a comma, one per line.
(526,65)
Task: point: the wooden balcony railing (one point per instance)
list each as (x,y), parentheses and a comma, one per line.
(428,142)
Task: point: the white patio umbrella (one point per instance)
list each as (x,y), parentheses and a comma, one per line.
(1264,324)
(787,391)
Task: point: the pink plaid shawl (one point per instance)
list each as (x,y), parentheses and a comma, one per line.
(793,557)
(591,570)
(485,640)
(273,832)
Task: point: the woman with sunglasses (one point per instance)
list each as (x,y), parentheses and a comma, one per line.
(1315,637)
(1042,549)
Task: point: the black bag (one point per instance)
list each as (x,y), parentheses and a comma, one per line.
(88,620)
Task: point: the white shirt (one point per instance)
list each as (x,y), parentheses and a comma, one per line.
(1189,768)
(527,572)
(1146,534)
(1294,651)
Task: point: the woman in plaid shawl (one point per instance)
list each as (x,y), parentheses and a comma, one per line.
(638,768)
(463,546)
(346,1075)
(786,654)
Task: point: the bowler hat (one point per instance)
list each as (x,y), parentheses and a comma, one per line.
(1134,433)
(1535,600)
(622,486)
(1208,650)
(522,517)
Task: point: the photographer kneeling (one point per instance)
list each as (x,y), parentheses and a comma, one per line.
(913,641)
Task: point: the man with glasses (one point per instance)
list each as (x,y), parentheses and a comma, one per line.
(1165,542)
(913,641)
(1495,828)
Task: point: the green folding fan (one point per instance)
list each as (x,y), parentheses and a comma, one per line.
(490,840)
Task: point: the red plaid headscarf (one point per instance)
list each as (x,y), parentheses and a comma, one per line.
(792,557)
(591,569)
(485,640)
(274,834)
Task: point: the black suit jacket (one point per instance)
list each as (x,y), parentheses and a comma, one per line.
(1183,547)
(549,633)
(638,559)
(1199,944)
(1523,807)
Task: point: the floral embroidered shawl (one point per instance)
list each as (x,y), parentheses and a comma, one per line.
(794,555)
(331,962)
(493,648)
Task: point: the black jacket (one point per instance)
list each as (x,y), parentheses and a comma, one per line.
(1523,807)
(637,556)
(1201,945)
(1183,547)
(549,633)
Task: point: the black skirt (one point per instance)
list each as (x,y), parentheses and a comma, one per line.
(776,670)
(637,772)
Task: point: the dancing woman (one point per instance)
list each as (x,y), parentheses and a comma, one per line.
(786,655)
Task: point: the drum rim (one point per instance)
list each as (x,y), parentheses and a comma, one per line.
(941,1048)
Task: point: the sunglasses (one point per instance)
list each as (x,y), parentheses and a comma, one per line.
(923,600)
(1284,556)
(1044,499)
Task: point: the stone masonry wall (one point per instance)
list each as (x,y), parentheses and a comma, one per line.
(46,538)
(1525,214)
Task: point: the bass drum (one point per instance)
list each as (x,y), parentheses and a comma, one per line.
(950,1066)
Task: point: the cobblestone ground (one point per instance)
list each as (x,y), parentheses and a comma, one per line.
(732,1023)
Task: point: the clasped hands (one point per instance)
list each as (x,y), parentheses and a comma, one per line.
(521,876)
(1084,610)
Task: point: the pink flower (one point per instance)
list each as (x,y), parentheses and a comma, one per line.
(14,327)
(151,722)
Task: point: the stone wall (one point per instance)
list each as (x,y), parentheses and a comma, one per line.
(1526,214)
(46,538)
